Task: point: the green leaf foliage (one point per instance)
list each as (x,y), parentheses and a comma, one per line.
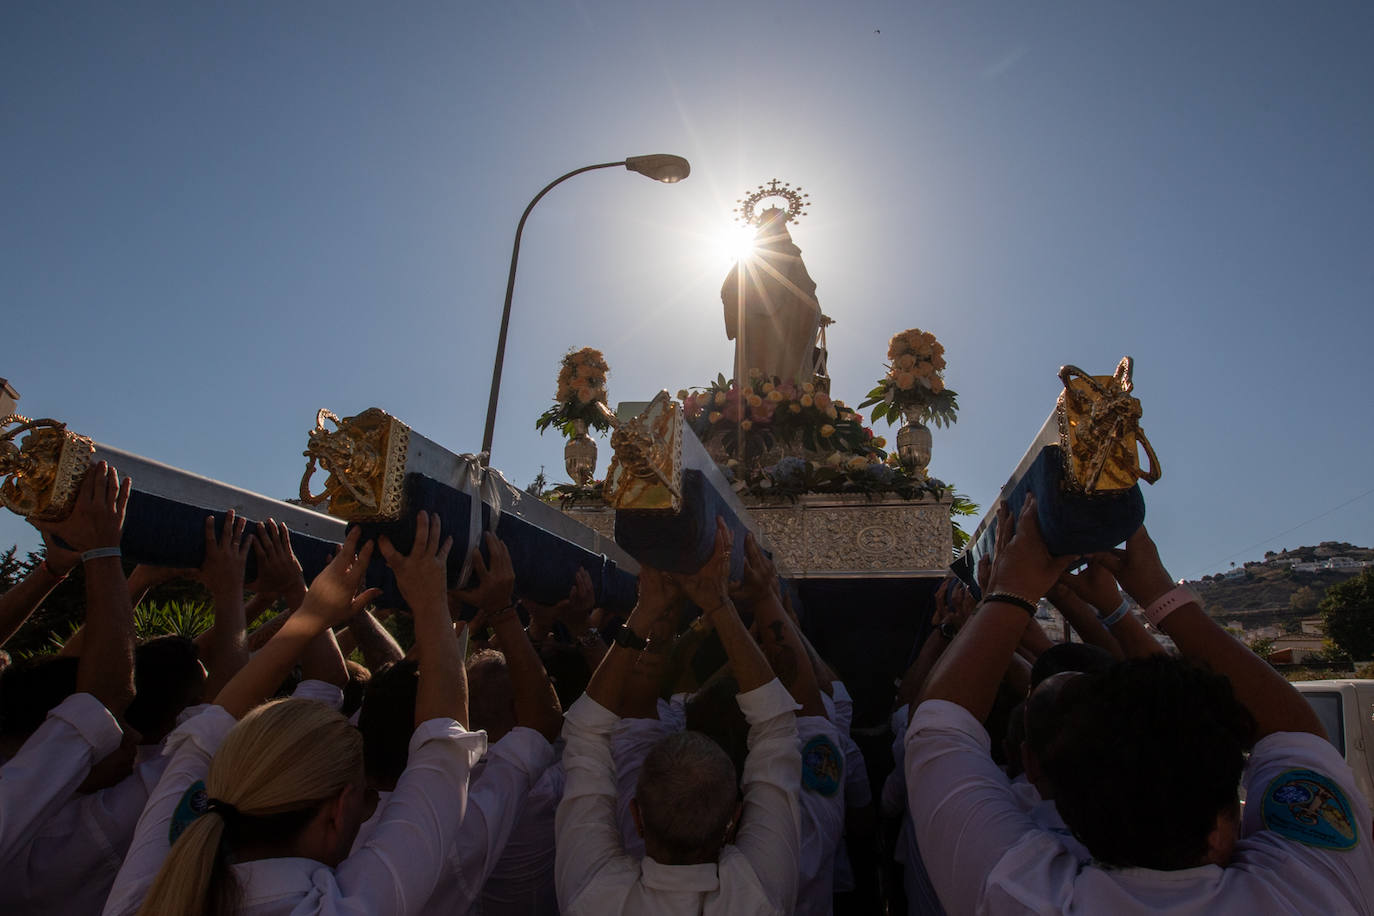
(1348,610)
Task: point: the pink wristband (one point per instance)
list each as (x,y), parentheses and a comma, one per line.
(1169,602)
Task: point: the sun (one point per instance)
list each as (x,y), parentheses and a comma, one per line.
(735,242)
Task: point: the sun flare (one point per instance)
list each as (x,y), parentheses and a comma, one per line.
(736,242)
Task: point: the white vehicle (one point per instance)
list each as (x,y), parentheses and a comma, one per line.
(1346,708)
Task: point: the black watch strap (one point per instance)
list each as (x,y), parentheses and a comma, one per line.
(629,639)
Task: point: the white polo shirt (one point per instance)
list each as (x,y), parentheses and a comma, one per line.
(755,874)
(985,853)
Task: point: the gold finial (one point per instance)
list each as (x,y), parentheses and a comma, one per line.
(1099,430)
(364,456)
(42,473)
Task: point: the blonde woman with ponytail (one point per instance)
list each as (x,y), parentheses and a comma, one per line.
(284,787)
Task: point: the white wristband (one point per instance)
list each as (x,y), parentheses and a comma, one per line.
(99,553)
(1169,602)
(1115,616)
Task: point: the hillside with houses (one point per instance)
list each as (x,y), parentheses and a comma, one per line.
(1276,599)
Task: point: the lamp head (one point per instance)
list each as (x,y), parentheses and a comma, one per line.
(660,167)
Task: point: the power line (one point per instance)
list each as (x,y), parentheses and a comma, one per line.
(1274,537)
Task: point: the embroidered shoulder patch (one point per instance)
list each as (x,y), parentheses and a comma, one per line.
(822,766)
(191,806)
(1308,807)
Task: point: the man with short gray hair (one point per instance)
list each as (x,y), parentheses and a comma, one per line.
(710,847)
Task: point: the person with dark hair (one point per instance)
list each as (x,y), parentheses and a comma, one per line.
(168,677)
(1069,656)
(1145,767)
(687,804)
(29,690)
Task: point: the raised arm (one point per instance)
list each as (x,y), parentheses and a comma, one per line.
(279,573)
(422,577)
(1082,616)
(1274,703)
(709,589)
(655,618)
(536,702)
(781,641)
(93,530)
(327,602)
(366,633)
(226,555)
(1096,585)
(610,681)
(24,598)
(1022,568)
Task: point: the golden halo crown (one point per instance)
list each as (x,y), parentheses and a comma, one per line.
(794,203)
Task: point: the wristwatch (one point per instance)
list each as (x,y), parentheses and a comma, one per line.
(947,630)
(629,639)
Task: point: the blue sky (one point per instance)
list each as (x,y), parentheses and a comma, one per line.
(219,218)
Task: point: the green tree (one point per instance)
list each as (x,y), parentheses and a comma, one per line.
(1348,610)
(1306,599)
(1261,646)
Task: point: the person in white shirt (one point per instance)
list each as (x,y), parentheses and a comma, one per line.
(1145,771)
(284,788)
(519,712)
(687,803)
(82,745)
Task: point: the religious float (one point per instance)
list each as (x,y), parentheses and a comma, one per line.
(860,535)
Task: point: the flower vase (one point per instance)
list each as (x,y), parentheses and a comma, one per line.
(579,455)
(913,441)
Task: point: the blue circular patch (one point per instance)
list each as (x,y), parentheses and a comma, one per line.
(1308,807)
(191,806)
(822,766)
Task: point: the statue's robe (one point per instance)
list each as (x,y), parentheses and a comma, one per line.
(771,311)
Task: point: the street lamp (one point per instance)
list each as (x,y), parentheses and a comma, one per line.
(660,167)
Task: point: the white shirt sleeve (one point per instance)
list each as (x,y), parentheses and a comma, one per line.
(770,826)
(189,749)
(586,836)
(40,779)
(72,861)
(822,810)
(965,815)
(397,869)
(495,800)
(1306,825)
(673,712)
(844,707)
(522,881)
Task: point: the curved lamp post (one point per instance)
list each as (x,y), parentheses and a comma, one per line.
(660,167)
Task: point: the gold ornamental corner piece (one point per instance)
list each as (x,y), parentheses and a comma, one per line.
(646,472)
(1099,431)
(42,473)
(365,457)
